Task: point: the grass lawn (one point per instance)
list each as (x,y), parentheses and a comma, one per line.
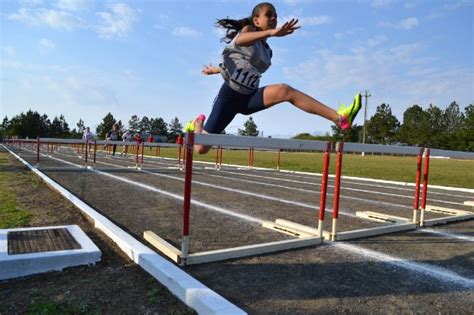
(11,213)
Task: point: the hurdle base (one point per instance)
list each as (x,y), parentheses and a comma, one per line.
(381,217)
(361,233)
(229,253)
(454,215)
(287,229)
(163,246)
(251,250)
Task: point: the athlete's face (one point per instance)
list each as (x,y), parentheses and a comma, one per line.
(266,18)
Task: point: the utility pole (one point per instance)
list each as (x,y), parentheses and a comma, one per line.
(366,94)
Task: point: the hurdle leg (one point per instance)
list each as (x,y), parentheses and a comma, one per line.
(416,203)
(324,185)
(337,189)
(425,186)
(187,196)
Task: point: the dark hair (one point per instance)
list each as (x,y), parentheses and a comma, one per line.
(235,26)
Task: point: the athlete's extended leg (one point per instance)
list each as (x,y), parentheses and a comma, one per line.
(278,93)
(199,128)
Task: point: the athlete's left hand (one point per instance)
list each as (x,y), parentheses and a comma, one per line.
(286,29)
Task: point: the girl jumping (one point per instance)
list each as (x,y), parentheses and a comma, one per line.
(246,57)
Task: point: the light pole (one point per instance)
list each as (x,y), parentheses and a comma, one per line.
(366,94)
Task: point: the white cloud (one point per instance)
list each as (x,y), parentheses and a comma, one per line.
(45,45)
(30,3)
(307,21)
(75,5)
(409,23)
(296,2)
(398,75)
(9,51)
(184,31)
(381,3)
(118,23)
(376,40)
(405,24)
(52,18)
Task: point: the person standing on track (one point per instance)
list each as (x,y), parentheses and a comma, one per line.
(87,137)
(126,136)
(246,57)
(113,135)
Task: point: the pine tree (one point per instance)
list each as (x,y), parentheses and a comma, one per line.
(107,122)
(383,126)
(250,128)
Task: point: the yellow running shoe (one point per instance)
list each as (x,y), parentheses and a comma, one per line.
(348,114)
(190,126)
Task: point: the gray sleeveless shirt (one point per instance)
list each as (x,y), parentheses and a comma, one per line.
(242,66)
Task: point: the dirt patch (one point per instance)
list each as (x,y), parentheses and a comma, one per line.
(115,283)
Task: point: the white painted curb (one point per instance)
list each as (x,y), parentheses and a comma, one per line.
(20,265)
(189,290)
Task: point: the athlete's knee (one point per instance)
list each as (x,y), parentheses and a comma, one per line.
(284,92)
(202,149)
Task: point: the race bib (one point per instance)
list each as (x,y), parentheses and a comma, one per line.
(247,77)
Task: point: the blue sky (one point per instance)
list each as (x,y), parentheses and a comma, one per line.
(85,58)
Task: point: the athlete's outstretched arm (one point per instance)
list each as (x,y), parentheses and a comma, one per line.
(249,35)
(209,69)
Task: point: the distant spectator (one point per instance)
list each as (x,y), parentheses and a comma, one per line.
(126,138)
(113,135)
(138,138)
(150,139)
(87,135)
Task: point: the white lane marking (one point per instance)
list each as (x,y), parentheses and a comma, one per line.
(309,191)
(439,273)
(344,188)
(169,194)
(239,191)
(448,234)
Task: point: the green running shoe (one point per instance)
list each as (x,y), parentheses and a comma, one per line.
(190,125)
(348,114)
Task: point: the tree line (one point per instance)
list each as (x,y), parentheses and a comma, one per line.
(449,129)
(32,125)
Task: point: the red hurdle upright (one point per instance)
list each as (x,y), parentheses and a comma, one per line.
(337,186)
(324,185)
(187,195)
(416,203)
(425,186)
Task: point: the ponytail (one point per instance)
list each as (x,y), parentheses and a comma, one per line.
(233,27)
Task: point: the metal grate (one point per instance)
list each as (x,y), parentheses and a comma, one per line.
(47,240)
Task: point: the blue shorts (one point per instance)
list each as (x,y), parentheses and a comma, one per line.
(229,103)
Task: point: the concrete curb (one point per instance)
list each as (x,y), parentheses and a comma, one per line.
(189,290)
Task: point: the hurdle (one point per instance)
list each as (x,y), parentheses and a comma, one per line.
(396,223)
(452,215)
(392,223)
(302,238)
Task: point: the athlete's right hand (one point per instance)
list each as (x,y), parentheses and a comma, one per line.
(209,69)
(286,29)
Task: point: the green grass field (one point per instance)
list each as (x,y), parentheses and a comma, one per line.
(446,172)
(11,213)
